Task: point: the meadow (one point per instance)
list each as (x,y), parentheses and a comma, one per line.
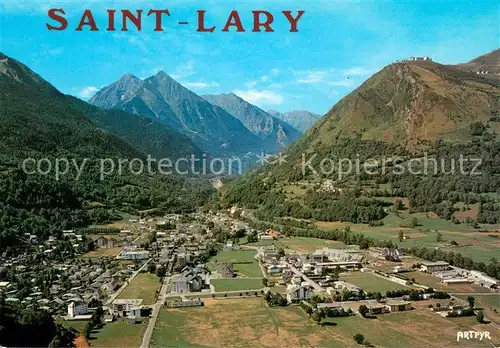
(118,334)
(244,262)
(143,286)
(250,323)
(370,282)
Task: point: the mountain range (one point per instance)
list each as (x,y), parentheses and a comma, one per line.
(164,100)
(274,132)
(301,120)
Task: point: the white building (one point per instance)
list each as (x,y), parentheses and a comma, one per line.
(298,292)
(483,279)
(75,309)
(431,267)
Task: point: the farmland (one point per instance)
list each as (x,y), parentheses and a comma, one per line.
(480,246)
(143,286)
(250,323)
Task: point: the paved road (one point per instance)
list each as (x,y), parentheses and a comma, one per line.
(308,280)
(146,339)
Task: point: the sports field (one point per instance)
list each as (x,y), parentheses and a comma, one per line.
(143,286)
(250,323)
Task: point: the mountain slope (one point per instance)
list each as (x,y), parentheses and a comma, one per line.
(162,98)
(275,133)
(410,104)
(487,65)
(148,136)
(299,119)
(36,119)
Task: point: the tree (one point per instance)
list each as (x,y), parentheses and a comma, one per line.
(363,310)
(161,271)
(401,235)
(64,337)
(414,222)
(318,316)
(480,317)
(439,237)
(151,267)
(265,282)
(471,301)
(359,338)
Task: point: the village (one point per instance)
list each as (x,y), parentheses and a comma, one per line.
(136,272)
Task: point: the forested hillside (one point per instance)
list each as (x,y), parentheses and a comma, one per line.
(39,122)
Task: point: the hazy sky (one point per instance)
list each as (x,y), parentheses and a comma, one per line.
(338,46)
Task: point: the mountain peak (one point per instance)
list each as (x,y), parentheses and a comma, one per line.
(128,77)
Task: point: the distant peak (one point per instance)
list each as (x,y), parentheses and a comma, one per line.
(127,77)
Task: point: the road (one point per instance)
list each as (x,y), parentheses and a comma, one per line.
(308,280)
(146,339)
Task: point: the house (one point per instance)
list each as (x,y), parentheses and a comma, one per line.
(397,305)
(376,308)
(124,307)
(226,270)
(128,254)
(298,292)
(106,242)
(431,266)
(273,269)
(77,308)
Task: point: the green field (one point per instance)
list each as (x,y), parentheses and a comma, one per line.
(250,323)
(143,286)
(118,334)
(477,245)
(236,284)
(243,261)
(371,283)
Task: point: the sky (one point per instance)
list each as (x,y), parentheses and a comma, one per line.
(339,44)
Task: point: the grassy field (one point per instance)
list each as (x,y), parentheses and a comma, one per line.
(118,334)
(250,323)
(143,286)
(239,259)
(477,245)
(307,245)
(103,252)
(236,284)
(371,283)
